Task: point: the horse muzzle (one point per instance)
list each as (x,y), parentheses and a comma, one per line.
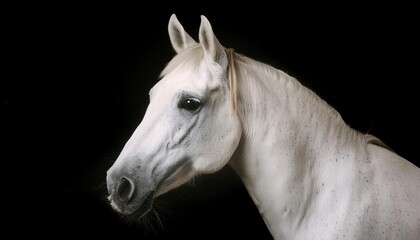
(126,197)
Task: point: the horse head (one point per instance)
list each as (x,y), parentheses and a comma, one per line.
(190,126)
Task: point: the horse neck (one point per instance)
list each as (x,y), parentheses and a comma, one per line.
(289,134)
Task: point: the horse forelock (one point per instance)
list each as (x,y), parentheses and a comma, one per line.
(191,56)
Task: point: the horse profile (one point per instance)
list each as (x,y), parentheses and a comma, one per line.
(310,175)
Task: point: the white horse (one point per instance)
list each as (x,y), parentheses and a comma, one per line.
(310,175)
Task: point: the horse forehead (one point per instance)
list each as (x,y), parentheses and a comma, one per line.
(193,79)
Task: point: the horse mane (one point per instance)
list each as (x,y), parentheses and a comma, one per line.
(190,56)
(290,82)
(193,55)
(279,78)
(231,74)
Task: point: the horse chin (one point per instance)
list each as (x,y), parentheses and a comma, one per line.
(144,208)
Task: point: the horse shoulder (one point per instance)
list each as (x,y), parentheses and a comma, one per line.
(393,171)
(394,191)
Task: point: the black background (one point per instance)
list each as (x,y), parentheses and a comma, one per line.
(76,86)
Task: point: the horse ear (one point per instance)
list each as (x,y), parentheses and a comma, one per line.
(212,47)
(180,39)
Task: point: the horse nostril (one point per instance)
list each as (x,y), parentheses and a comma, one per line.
(125,189)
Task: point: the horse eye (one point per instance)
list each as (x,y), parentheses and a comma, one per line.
(190,104)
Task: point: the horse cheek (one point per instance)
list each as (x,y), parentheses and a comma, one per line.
(226,137)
